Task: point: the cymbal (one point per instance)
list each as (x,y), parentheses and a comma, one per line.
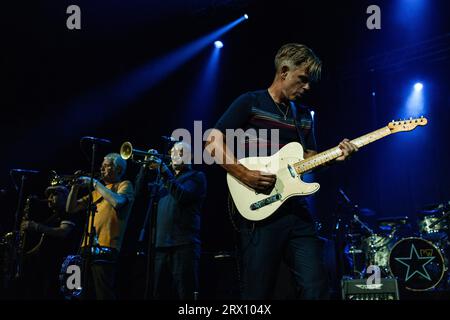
(434,207)
(429,212)
(393,220)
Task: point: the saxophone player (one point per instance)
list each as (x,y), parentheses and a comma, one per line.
(45,258)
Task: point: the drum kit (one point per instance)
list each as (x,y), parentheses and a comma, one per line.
(416,254)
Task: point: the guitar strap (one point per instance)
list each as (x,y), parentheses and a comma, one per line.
(299,133)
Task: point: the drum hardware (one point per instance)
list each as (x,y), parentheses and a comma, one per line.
(365,226)
(438,220)
(354,250)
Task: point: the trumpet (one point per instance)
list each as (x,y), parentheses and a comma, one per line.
(68,179)
(127,152)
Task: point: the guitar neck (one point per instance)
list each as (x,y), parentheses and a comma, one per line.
(333,153)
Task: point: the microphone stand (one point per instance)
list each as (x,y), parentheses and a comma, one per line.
(89,232)
(15,270)
(150,224)
(16,266)
(349,207)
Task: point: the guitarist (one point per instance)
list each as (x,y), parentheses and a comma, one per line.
(290,233)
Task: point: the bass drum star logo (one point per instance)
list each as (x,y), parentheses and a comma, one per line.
(415,264)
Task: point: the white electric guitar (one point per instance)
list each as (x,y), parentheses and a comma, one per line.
(288,165)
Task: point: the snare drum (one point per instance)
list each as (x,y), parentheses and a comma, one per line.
(417,263)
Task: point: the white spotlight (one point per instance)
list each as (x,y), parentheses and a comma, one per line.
(418,86)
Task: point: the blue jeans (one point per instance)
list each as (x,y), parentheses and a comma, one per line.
(289,234)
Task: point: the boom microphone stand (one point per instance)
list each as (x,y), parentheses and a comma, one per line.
(150,225)
(89,230)
(16,267)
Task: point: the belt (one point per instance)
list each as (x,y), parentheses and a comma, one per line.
(99,253)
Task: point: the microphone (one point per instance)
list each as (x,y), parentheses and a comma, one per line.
(24,171)
(96,140)
(170,139)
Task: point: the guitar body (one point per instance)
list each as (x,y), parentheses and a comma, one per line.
(257,206)
(288,165)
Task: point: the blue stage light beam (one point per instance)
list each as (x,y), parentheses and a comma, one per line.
(95,108)
(201,101)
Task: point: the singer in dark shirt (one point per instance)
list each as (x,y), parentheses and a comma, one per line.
(178,227)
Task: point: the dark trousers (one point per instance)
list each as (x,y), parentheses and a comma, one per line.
(102,281)
(102,271)
(289,236)
(176,272)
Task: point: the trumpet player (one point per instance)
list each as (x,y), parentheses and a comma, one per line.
(113,200)
(178,226)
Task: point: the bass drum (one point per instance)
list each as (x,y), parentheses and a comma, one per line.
(417,264)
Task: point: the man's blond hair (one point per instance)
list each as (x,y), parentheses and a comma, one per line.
(295,55)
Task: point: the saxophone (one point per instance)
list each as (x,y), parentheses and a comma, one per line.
(21,239)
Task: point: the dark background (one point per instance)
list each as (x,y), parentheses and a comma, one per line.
(60,85)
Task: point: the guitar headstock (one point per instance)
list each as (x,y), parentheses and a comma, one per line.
(406,125)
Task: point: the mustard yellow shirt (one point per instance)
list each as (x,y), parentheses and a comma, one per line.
(110,223)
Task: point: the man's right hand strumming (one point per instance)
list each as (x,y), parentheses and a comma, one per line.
(262,182)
